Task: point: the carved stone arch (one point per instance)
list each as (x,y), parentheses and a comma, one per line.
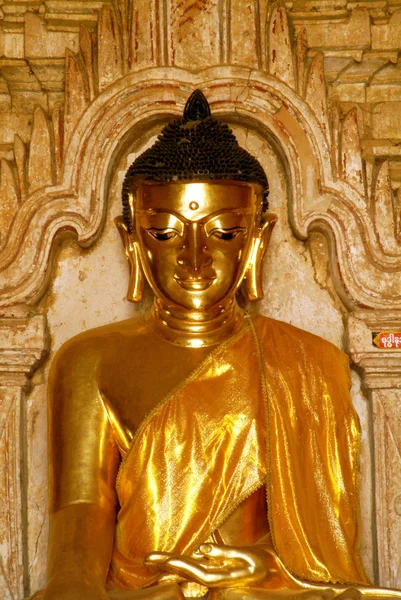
(319,199)
(365,275)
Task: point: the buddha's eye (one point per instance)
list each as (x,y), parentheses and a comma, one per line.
(227,234)
(163,235)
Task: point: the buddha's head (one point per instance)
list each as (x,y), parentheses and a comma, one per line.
(194,214)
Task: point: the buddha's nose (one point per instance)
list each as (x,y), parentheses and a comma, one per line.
(194,254)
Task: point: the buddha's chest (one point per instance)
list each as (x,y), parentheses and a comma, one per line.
(137,378)
(206,427)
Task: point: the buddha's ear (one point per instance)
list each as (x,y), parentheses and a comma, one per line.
(131,247)
(254,274)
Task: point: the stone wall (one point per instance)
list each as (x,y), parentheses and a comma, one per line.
(313,88)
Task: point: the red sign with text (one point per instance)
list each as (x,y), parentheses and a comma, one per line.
(387,340)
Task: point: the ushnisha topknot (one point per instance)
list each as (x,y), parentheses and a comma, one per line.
(196,147)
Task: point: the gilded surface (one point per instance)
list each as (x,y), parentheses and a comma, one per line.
(248,407)
(358,75)
(205,446)
(208,441)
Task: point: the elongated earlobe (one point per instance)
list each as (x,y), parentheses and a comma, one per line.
(136,278)
(254,274)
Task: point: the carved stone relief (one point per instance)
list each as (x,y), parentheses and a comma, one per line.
(82,84)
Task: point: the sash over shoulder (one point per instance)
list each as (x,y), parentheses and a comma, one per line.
(269,407)
(196,457)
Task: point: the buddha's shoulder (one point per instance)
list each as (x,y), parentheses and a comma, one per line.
(289,341)
(101,340)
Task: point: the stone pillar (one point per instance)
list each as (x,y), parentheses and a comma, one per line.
(382,380)
(23,344)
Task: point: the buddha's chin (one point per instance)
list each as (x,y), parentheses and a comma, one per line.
(195,299)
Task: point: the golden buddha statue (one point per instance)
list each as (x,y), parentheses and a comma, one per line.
(198,450)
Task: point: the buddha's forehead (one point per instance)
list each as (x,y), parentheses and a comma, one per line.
(197,200)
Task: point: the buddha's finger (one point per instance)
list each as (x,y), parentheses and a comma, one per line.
(218,566)
(242,565)
(210,576)
(212,562)
(221,551)
(156,558)
(253,559)
(206,564)
(161,558)
(192,570)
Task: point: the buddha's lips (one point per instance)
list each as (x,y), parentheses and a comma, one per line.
(194,285)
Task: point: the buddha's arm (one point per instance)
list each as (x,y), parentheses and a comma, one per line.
(83,464)
(80,543)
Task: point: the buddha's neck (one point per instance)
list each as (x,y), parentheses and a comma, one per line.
(197,329)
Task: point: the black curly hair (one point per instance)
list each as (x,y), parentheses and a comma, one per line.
(196,147)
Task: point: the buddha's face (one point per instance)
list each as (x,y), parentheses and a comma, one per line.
(195,240)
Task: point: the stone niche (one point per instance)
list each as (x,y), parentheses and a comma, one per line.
(312,90)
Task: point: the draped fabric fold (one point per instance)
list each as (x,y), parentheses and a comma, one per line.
(270,406)
(314,449)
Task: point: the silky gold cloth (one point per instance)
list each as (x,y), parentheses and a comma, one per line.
(269,407)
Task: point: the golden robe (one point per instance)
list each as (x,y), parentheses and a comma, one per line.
(270,406)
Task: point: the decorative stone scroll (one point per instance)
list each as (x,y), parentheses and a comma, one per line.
(367,270)
(133,70)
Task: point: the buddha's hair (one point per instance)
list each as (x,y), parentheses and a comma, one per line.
(196,147)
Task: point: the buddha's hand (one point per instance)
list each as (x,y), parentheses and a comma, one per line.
(213,565)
